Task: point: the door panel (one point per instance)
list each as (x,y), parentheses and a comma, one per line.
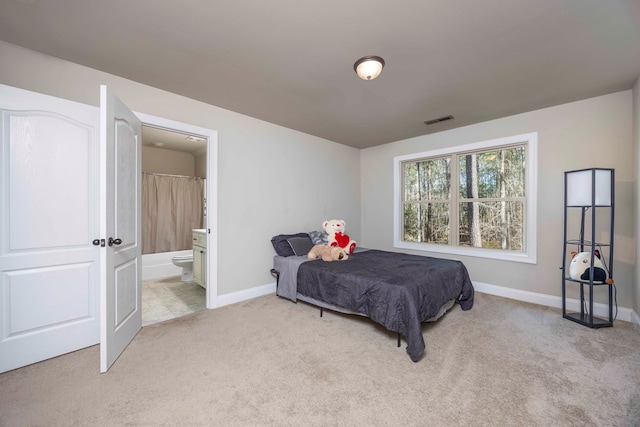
(121,281)
(127,292)
(48,154)
(48,217)
(35,288)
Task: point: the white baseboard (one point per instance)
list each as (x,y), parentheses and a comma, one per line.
(573,305)
(246,294)
(601,310)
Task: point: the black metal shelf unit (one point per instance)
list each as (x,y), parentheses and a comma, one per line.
(588,190)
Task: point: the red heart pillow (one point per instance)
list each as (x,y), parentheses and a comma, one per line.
(342,239)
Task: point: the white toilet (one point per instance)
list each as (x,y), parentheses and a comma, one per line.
(186,263)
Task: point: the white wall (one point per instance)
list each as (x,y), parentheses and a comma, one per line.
(271,179)
(591,133)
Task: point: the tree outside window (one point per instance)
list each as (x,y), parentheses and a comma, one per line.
(476,197)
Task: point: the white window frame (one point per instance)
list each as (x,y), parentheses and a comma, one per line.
(529,252)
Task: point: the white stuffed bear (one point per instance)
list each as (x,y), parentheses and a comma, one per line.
(580,267)
(336,236)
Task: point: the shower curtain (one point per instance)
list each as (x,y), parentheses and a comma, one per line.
(171,207)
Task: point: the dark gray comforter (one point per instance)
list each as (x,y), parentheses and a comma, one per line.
(398,291)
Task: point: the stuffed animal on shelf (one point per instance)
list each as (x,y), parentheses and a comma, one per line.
(336,236)
(328,253)
(580,267)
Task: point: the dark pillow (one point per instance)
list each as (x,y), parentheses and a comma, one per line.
(300,245)
(319,237)
(282,247)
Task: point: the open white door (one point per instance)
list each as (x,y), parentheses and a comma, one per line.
(120,278)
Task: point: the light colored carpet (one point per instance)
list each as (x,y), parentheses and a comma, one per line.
(167,298)
(272,362)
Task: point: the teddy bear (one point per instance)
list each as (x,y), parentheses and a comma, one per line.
(328,253)
(579,267)
(336,236)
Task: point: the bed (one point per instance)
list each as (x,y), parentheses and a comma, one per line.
(396,290)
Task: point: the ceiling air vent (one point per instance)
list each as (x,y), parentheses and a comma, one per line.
(441,119)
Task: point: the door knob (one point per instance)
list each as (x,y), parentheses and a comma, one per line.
(113,241)
(98,242)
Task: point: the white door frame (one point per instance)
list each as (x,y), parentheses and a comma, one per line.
(211,223)
(211,194)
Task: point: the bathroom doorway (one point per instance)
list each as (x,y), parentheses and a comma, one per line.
(174,218)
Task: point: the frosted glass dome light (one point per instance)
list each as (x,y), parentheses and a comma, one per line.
(369,67)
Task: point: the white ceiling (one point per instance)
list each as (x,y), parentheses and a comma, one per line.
(290,62)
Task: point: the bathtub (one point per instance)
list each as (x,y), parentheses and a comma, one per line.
(159,265)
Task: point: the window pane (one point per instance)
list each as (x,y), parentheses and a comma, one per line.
(494,225)
(426,222)
(427,180)
(492,174)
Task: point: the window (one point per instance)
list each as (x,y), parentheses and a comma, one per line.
(476,200)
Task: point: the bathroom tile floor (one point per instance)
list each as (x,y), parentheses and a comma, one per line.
(166,298)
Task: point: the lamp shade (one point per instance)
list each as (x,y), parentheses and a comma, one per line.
(369,67)
(589,187)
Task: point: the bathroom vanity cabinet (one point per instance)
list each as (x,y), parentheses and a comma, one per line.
(200,257)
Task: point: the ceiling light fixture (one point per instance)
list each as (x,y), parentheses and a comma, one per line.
(194,138)
(369,67)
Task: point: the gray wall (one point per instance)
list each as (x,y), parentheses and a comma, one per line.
(275,180)
(636,161)
(591,133)
(271,179)
(201,165)
(159,160)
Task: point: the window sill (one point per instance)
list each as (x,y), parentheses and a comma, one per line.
(467,251)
